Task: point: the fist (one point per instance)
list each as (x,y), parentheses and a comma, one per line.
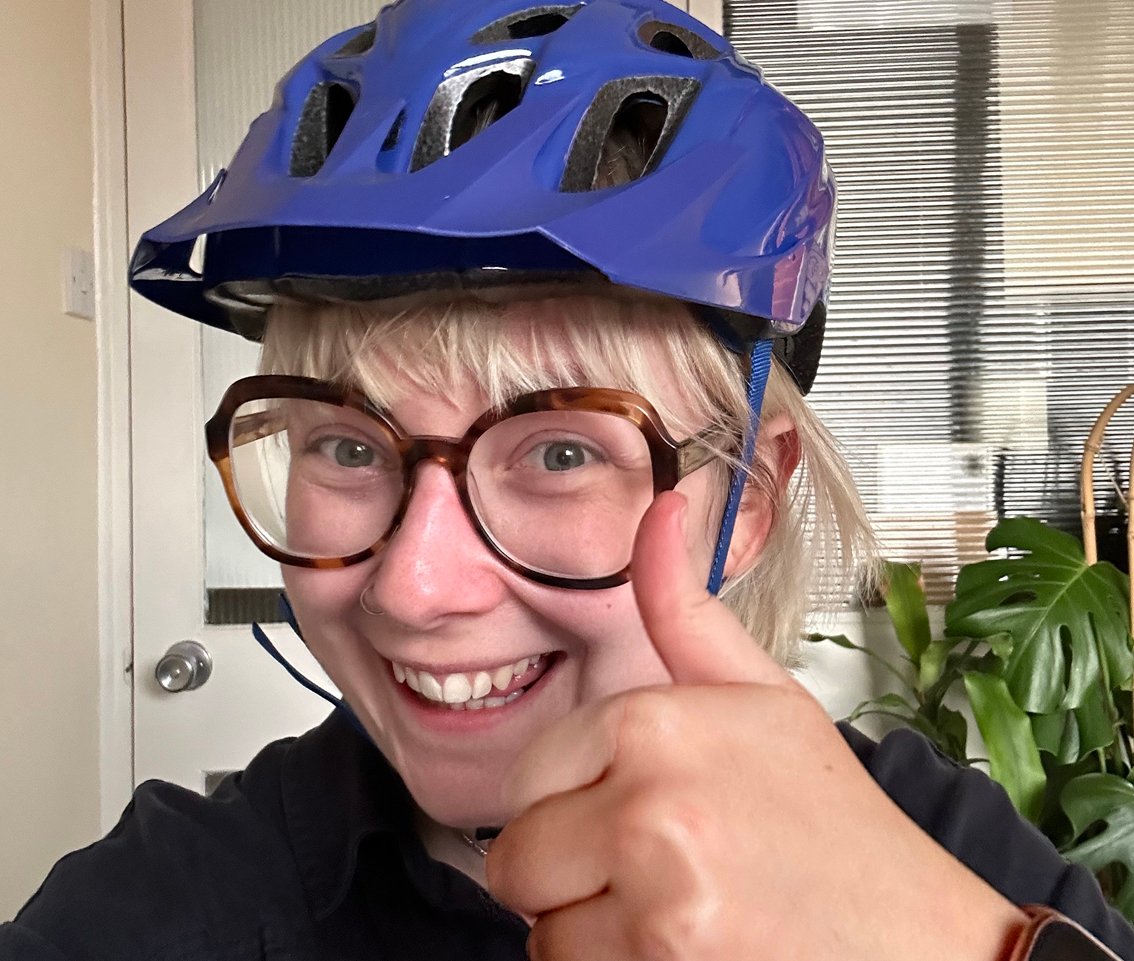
(723,816)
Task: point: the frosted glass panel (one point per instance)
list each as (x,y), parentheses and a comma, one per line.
(242,48)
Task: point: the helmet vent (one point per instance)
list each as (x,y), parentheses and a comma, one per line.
(216,185)
(360,43)
(535,22)
(395,132)
(626,131)
(632,140)
(672,39)
(484,102)
(324,117)
(468,104)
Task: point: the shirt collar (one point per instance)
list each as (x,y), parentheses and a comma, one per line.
(338,790)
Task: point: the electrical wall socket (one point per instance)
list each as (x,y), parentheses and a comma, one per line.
(78,283)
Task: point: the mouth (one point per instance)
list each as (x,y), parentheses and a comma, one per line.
(483,689)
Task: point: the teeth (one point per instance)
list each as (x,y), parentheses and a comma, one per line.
(430,686)
(481,685)
(456,689)
(466,691)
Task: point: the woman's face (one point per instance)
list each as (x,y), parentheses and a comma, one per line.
(452,614)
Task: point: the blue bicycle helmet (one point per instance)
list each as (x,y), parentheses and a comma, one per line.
(452,146)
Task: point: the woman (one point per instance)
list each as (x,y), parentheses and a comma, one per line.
(520,273)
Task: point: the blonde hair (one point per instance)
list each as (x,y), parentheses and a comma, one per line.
(819,532)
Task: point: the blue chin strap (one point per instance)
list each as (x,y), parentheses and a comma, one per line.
(265,642)
(761,364)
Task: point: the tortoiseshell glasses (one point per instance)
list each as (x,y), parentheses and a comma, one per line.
(555,483)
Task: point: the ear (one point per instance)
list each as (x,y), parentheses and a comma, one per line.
(778,454)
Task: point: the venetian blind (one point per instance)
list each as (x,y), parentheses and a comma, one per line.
(982,310)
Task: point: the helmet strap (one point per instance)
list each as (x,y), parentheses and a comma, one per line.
(760,365)
(265,642)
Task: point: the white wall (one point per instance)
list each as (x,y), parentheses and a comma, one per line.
(48,485)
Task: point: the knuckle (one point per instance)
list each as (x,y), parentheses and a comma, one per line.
(647,718)
(684,930)
(797,704)
(664,829)
(691,616)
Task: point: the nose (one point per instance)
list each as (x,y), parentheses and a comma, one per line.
(435,566)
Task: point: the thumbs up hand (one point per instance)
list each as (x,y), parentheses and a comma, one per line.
(722,817)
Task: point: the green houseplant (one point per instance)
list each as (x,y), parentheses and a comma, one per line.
(1037,644)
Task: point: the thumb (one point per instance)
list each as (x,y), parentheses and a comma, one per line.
(697,637)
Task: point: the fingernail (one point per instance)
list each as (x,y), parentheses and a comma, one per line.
(683,517)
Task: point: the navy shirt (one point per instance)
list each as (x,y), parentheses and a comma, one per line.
(310,854)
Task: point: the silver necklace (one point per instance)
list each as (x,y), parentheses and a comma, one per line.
(480,849)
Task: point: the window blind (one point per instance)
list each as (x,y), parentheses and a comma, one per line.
(982,310)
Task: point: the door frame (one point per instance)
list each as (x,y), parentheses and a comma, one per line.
(709,12)
(112,322)
(152,571)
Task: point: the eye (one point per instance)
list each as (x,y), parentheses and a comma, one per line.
(563,455)
(347,452)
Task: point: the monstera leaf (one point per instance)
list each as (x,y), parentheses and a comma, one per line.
(1068,622)
(1103,800)
(1069,736)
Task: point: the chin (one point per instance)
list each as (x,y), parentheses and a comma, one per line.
(460,801)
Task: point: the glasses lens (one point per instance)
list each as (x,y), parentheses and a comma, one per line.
(562,492)
(316,480)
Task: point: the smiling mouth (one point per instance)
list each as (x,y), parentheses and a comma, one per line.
(475,690)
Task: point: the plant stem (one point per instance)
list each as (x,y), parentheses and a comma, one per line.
(902,679)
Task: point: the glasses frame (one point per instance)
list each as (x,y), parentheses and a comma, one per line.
(671,460)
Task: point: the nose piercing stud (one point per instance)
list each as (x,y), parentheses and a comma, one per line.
(374,612)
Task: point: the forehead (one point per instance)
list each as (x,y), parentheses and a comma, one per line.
(496,351)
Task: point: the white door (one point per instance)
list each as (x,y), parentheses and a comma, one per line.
(191,563)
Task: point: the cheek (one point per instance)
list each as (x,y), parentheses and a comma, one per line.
(324,600)
(603,635)
(302,524)
(322,523)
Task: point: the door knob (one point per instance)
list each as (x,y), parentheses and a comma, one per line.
(184,667)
